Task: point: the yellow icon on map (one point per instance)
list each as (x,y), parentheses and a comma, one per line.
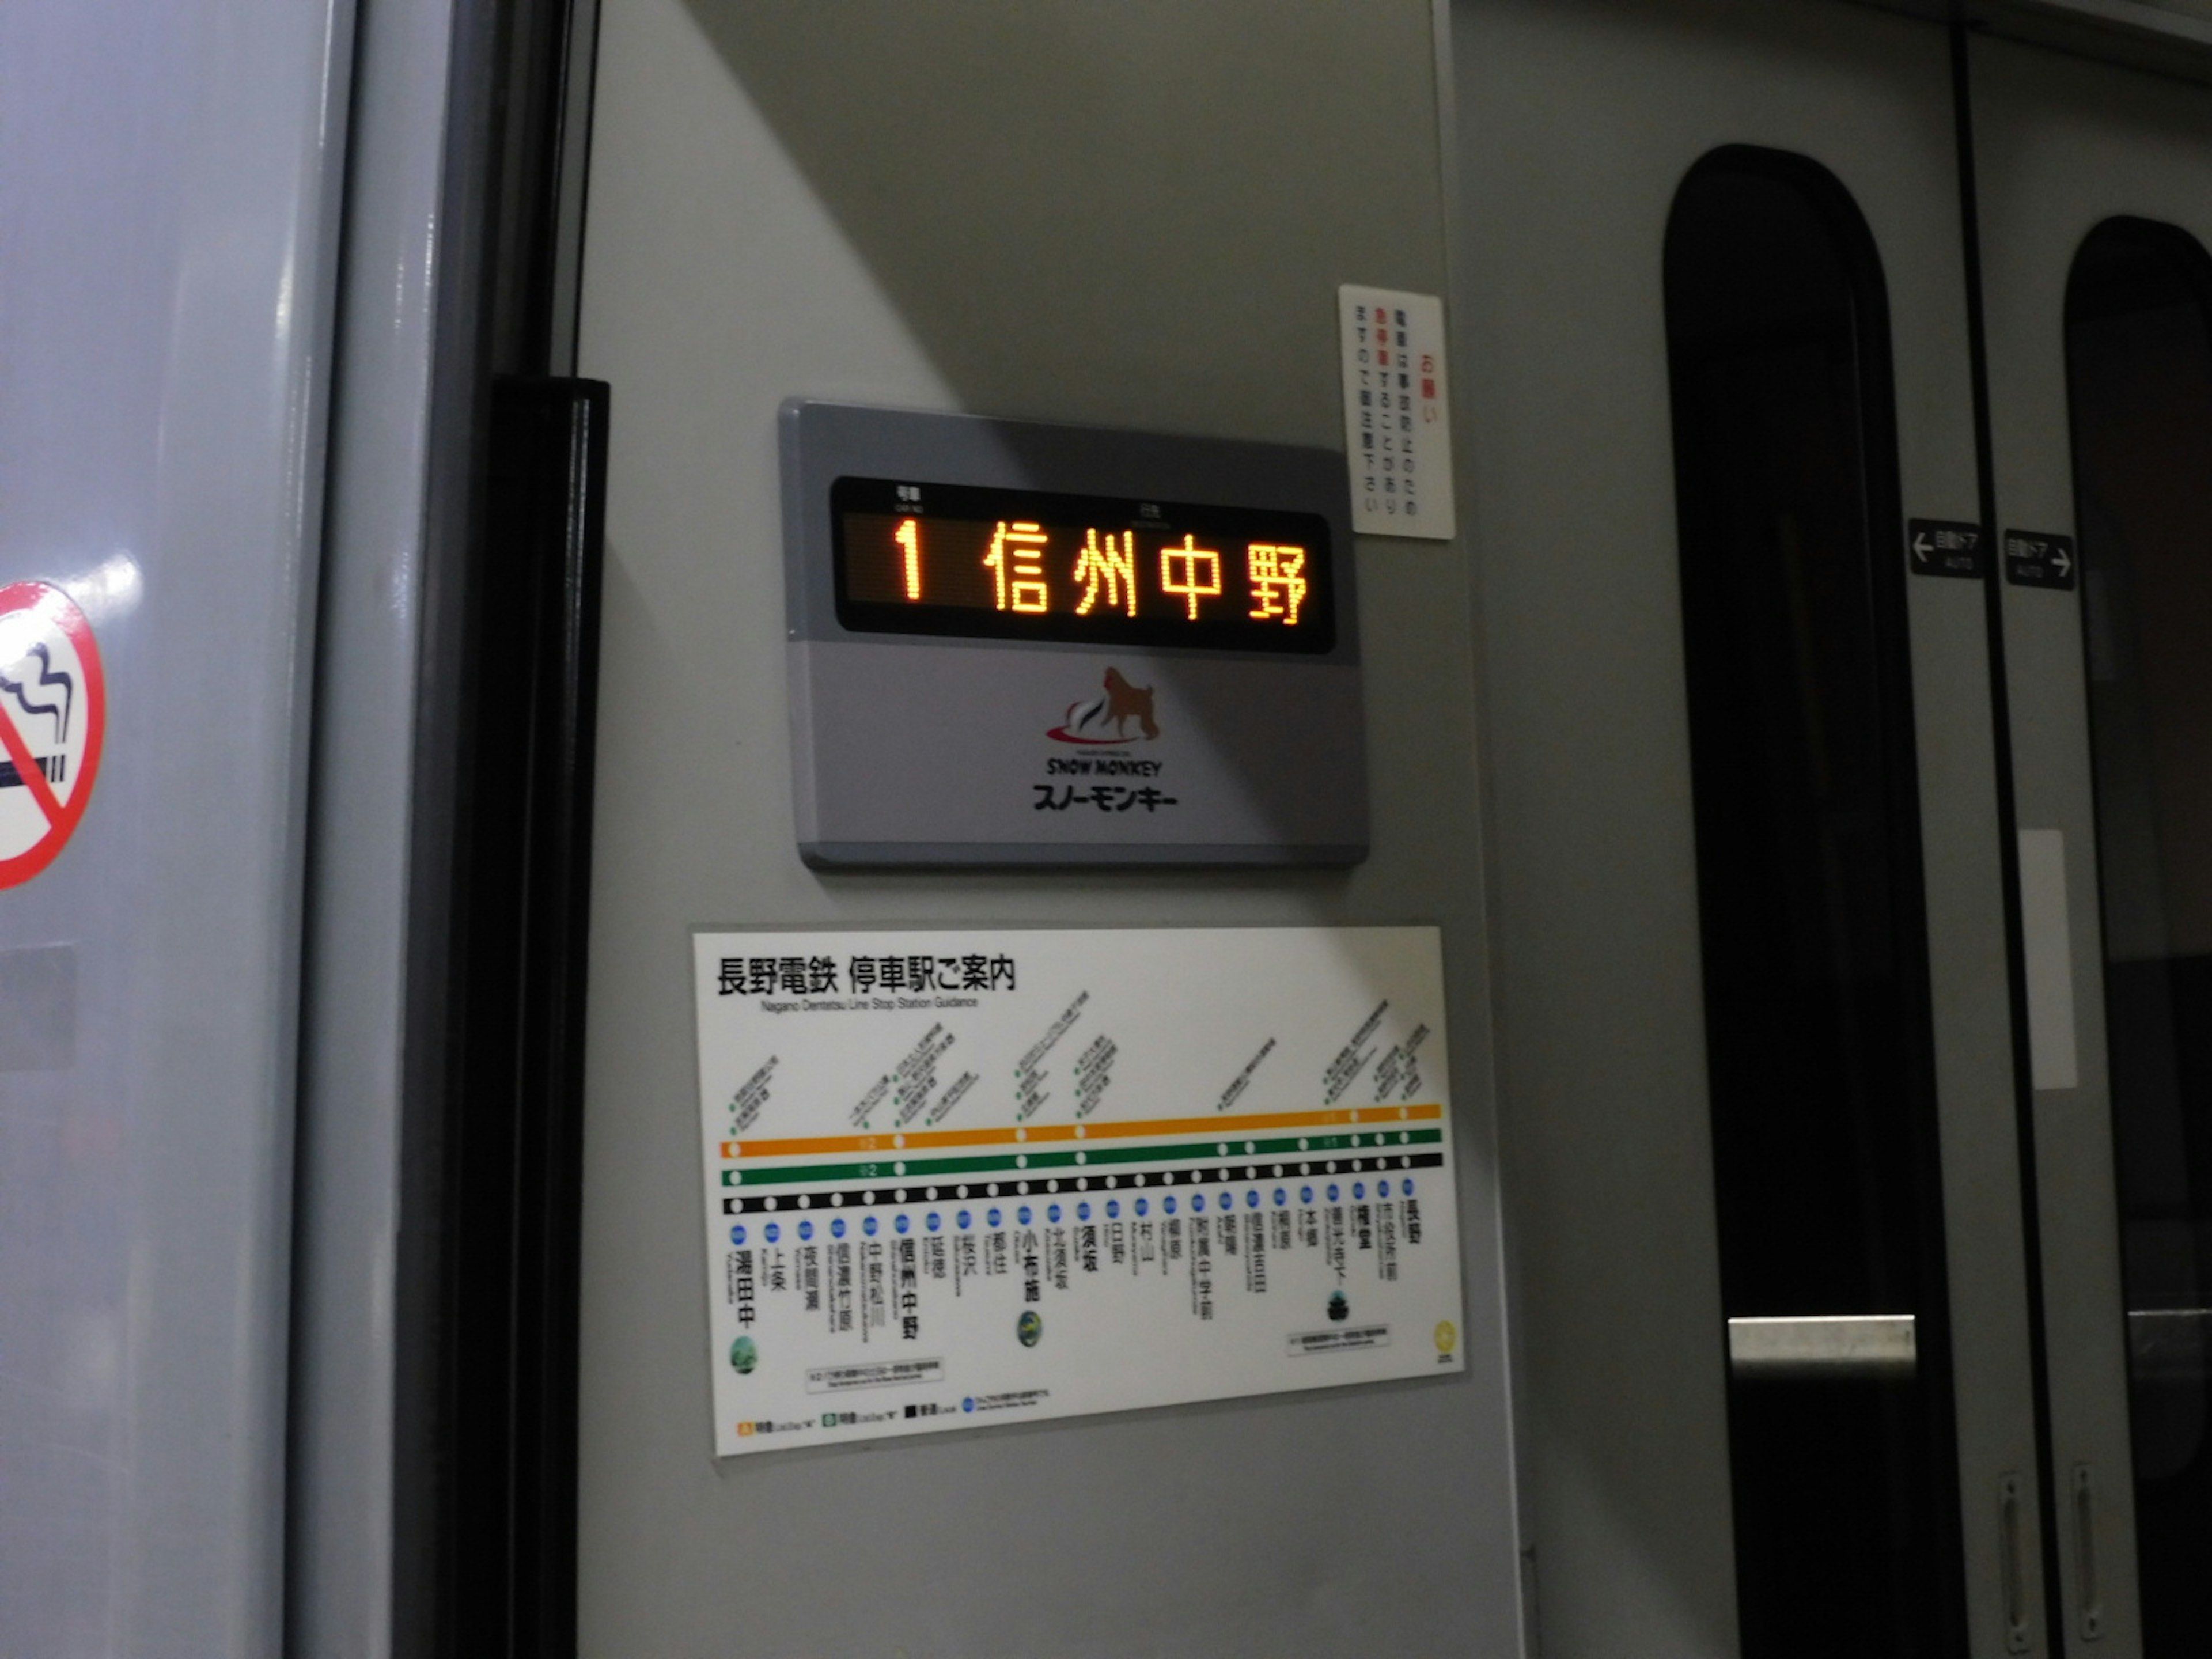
(1447,1336)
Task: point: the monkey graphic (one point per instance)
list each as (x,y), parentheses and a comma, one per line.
(1126,702)
(1106,719)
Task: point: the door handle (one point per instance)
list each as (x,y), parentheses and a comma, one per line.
(2092,1599)
(1827,1346)
(2012,1566)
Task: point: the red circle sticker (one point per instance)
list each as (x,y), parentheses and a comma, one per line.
(53,713)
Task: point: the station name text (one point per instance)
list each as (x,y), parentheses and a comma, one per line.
(757,977)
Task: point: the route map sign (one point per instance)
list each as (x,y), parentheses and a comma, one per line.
(959,1179)
(53,716)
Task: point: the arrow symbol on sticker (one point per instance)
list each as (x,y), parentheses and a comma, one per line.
(1921,550)
(2058,556)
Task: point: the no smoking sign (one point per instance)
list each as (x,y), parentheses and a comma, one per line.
(54,714)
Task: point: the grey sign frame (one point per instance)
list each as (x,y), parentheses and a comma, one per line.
(902,754)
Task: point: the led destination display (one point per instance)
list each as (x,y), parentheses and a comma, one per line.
(1023,564)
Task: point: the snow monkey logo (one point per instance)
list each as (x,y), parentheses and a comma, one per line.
(1106,719)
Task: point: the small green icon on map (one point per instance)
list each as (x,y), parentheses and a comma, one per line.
(744,1355)
(1028,1327)
(1338,1307)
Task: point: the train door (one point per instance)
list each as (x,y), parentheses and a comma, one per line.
(2092,186)
(1749,878)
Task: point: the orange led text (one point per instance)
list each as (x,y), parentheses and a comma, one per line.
(1114,568)
(1017,565)
(1190,573)
(1279,582)
(909,537)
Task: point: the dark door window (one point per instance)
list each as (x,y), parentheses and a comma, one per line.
(2139,371)
(1818,1024)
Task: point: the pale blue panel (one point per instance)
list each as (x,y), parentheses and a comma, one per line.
(168,208)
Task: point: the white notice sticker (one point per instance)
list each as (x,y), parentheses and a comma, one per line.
(1397,412)
(960,1178)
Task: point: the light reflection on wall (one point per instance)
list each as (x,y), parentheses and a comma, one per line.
(109,590)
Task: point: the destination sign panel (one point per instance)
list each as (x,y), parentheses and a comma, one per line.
(1013,643)
(933,558)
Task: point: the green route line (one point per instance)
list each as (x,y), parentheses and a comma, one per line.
(923,1171)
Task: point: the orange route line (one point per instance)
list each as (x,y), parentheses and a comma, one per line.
(924,1139)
